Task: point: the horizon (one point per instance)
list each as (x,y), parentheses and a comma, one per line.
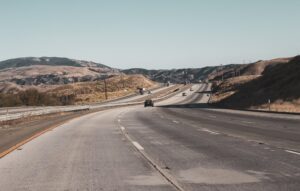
(152,68)
(151,35)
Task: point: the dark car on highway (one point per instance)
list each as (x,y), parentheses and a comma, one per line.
(148,103)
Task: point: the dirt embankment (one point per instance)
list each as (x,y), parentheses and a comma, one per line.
(278,83)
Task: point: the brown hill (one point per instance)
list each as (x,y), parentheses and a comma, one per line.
(258,67)
(75,93)
(117,86)
(38,71)
(279,83)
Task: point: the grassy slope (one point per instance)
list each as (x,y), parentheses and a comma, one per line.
(78,93)
(279,83)
(94,91)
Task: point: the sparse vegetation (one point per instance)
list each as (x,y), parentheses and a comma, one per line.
(77,93)
(30,97)
(279,83)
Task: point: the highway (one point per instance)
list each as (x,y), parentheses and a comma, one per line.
(180,144)
(13,113)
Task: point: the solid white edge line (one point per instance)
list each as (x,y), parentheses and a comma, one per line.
(293,152)
(137,145)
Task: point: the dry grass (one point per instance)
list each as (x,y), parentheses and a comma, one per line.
(281,106)
(259,67)
(117,86)
(280,84)
(229,87)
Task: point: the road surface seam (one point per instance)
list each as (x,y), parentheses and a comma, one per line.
(168,177)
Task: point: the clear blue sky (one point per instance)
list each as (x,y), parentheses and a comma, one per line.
(151,33)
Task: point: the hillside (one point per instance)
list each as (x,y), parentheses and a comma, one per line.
(280,83)
(185,74)
(32,71)
(50,61)
(117,86)
(76,93)
(207,73)
(62,81)
(257,68)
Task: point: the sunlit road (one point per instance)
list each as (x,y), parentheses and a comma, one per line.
(181,144)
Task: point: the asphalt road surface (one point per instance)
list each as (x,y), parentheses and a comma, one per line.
(181,144)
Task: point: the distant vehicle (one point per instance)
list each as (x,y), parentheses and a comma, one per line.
(183,94)
(167,83)
(191,89)
(148,103)
(149,92)
(141,90)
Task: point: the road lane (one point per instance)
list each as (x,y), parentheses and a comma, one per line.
(191,96)
(219,150)
(87,153)
(203,159)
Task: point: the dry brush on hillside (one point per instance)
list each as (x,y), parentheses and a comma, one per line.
(278,83)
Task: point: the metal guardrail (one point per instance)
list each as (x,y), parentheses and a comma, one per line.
(8,117)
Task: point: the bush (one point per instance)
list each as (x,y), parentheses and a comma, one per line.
(30,97)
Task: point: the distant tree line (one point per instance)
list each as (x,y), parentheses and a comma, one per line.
(33,97)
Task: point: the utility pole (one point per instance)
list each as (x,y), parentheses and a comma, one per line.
(222,72)
(122,79)
(6,114)
(105,89)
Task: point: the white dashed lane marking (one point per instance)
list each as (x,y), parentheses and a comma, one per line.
(209,131)
(293,152)
(137,145)
(249,122)
(175,121)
